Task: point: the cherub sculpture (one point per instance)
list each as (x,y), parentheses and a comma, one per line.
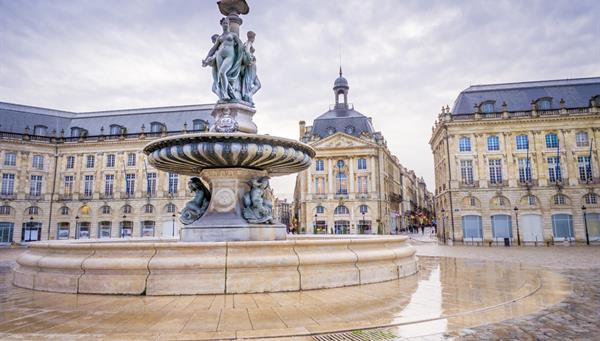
(195,208)
(257,208)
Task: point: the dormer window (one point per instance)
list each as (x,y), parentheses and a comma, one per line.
(487,107)
(40,130)
(544,103)
(330,131)
(199,125)
(157,127)
(350,130)
(115,129)
(76,132)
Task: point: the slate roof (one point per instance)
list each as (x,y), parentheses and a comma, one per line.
(15,117)
(518,96)
(340,118)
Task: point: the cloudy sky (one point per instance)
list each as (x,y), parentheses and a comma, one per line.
(403,59)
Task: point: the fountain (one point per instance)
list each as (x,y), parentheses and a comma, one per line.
(230,242)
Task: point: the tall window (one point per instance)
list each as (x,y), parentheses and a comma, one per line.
(472,228)
(38,162)
(6,232)
(109,184)
(90,161)
(35,186)
(493,143)
(524,170)
(131,159)
(8,184)
(151,183)
(10,159)
(554,173)
(582,140)
(88,185)
(147,228)
(320,185)
(173,182)
(104,228)
(551,140)
(363,185)
(562,227)
(495,166)
(464,144)
(522,142)
(70,162)
(466,171)
(320,165)
(362,164)
(585,168)
(341,185)
(341,210)
(68,184)
(130,184)
(110,160)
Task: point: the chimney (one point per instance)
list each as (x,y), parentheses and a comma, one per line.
(302,129)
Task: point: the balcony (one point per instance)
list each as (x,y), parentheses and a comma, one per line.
(503,183)
(8,196)
(127,195)
(341,195)
(65,197)
(36,196)
(474,184)
(528,184)
(86,196)
(592,181)
(107,195)
(363,195)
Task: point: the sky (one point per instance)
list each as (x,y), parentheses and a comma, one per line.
(404,60)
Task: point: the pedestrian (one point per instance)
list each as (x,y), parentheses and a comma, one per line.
(423,229)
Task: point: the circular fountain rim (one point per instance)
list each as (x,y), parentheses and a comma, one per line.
(220,137)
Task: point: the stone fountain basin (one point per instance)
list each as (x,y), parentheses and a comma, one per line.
(154,266)
(189,154)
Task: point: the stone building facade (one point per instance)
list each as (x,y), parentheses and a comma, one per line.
(83,175)
(355,184)
(519,163)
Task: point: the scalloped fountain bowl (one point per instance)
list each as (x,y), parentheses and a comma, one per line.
(191,153)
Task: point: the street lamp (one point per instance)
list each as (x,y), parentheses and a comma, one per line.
(363,225)
(315,224)
(444,224)
(123,226)
(76,227)
(587,236)
(173,231)
(516,209)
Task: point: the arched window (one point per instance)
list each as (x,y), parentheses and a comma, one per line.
(105,209)
(473,201)
(560,199)
(64,210)
(591,199)
(363,209)
(493,143)
(148,208)
(464,144)
(171,208)
(551,140)
(33,210)
(320,209)
(341,210)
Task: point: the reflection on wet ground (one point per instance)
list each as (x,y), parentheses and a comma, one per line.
(447,294)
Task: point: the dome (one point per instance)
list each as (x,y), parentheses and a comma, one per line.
(341,82)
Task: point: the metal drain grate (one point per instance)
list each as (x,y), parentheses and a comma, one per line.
(359,335)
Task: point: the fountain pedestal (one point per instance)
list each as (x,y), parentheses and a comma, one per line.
(223,221)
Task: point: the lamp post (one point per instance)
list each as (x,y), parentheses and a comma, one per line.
(444,225)
(516,209)
(315,224)
(587,236)
(123,226)
(173,219)
(76,227)
(30,225)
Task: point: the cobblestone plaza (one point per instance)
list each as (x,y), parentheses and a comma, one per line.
(459,293)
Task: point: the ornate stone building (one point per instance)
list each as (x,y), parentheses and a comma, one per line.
(519,161)
(83,175)
(355,184)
